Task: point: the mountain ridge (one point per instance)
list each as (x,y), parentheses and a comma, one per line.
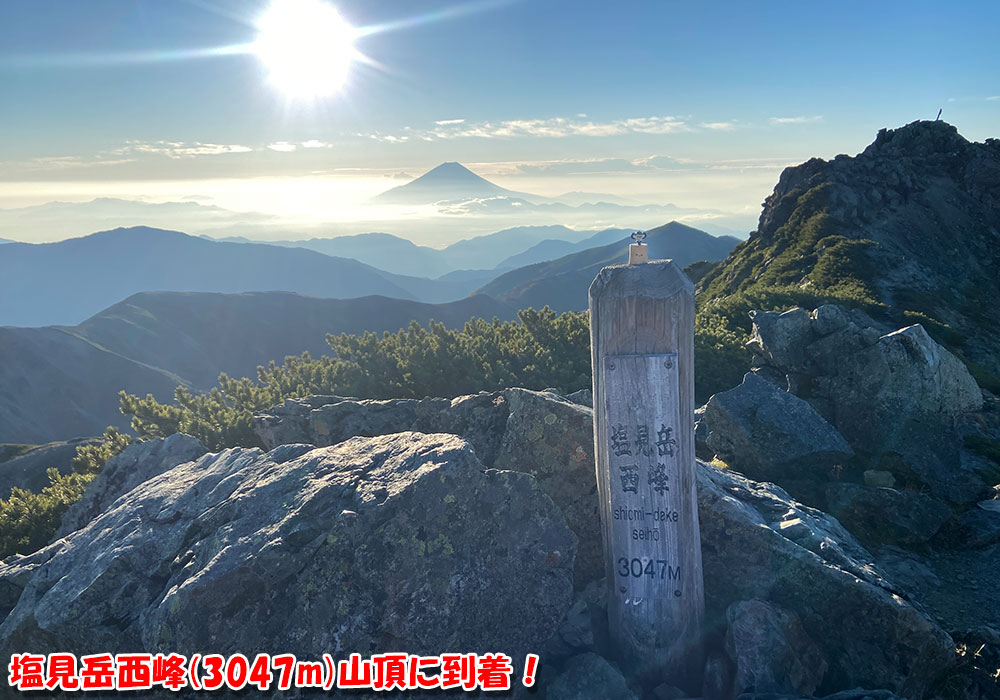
(67,281)
(563,283)
(908,229)
(61,382)
(446,182)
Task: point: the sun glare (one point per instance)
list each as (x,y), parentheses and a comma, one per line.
(306,46)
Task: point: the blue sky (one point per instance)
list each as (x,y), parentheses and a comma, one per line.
(552,94)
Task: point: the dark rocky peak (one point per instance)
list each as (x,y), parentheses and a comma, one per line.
(908,229)
(918,139)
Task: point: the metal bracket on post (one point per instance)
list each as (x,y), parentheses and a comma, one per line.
(638,252)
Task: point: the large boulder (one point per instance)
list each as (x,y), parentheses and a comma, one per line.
(768,433)
(553,440)
(771,651)
(759,544)
(877,515)
(899,398)
(539,433)
(402,542)
(904,376)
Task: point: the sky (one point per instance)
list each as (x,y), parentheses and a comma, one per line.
(699,104)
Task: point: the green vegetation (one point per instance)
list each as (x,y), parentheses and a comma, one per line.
(29,520)
(540,350)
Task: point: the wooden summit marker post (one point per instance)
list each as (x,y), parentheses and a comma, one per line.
(642,345)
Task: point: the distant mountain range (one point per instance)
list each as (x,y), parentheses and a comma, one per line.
(66,282)
(563,283)
(63,382)
(493,251)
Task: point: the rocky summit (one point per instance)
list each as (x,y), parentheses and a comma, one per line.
(471,524)
(909,228)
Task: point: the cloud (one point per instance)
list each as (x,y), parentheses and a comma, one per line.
(555,128)
(718,126)
(68,162)
(282,147)
(181,149)
(589,166)
(313,143)
(781,121)
(388,138)
(399,176)
(993,98)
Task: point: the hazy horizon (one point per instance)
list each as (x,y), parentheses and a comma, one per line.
(647,104)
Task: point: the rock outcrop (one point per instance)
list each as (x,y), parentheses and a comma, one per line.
(900,399)
(769,433)
(410,541)
(139,462)
(540,433)
(912,223)
(758,543)
(401,542)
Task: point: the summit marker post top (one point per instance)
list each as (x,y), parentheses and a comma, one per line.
(642,344)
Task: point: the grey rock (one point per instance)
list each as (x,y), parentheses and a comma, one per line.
(862,694)
(769,433)
(17,570)
(584,627)
(323,421)
(782,338)
(137,463)
(528,431)
(979,527)
(589,677)
(882,479)
(439,553)
(28,470)
(552,439)
(668,692)
(771,651)
(886,516)
(905,375)
(896,397)
(828,318)
(584,397)
(757,543)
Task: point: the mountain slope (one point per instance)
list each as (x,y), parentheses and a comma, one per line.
(382,250)
(563,283)
(401,256)
(58,383)
(446,182)
(55,385)
(199,335)
(65,282)
(908,229)
(551,249)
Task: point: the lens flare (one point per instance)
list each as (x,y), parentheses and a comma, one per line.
(306,47)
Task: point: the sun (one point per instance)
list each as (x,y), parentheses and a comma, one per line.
(306,47)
